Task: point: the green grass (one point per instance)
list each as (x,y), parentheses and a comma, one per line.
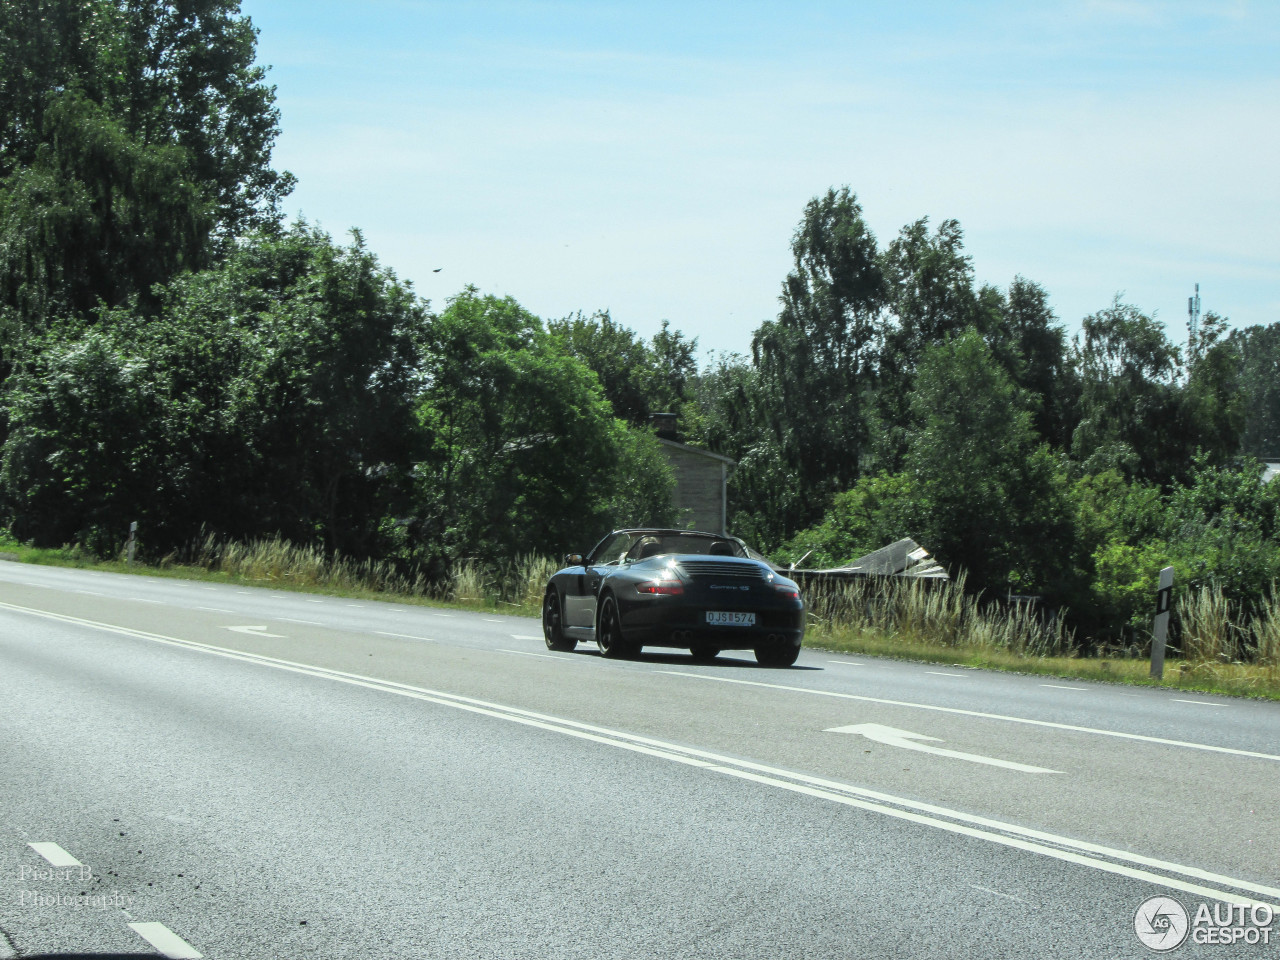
(899,619)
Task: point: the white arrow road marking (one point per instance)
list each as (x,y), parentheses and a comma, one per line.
(893,737)
(260,631)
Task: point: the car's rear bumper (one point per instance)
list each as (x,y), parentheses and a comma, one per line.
(687,627)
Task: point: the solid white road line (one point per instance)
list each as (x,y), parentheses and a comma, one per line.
(1066,849)
(845,663)
(1056,686)
(309,623)
(935,673)
(525,636)
(166,941)
(978,713)
(1201,703)
(215,609)
(55,854)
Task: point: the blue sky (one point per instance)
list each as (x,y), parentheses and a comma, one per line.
(654,158)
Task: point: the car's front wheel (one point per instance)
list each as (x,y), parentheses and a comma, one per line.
(553,624)
(609,632)
(777,655)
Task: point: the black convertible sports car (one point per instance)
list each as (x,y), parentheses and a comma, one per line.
(674,588)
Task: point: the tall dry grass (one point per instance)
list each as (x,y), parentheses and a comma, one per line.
(915,611)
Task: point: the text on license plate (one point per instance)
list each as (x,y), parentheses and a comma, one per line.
(730,618)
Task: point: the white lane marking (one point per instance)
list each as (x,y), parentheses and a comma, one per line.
(92,593)
(905,739)
(1055,686)
(935,673)
(925,814)
(997,893)
(845,663)
(403,636)
(55,854)
(978,713)
(541,656)
(309,623)
(258,631)
(215,609)
(492,620)
(1201,703)
(309,600)
(449,615)
(246,592)
(525,636)
(166,941)
(144,600)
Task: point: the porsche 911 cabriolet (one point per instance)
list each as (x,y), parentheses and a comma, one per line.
(674,588)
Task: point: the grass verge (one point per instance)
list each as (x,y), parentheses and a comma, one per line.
(894,619)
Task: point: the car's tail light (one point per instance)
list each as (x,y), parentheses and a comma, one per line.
(665,588)
(790,593)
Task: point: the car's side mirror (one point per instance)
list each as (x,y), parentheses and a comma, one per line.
(574,560)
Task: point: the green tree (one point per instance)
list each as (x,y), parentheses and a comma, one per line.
(175,73)
(273,394)
(992,500)
(816,369)
(1129,396)
(638,378)
(525,455)
(96,217)
(1257,352)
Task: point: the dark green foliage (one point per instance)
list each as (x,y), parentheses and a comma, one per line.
(638,378)
(525,453)
(96,217)
(1257,351)
(175,74)
(816,367)
(272,395)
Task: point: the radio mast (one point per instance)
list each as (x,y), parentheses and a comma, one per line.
(1193,316)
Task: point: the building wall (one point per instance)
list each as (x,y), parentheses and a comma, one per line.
(699,489)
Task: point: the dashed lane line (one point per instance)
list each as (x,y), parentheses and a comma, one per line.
(56,856)
(166,941)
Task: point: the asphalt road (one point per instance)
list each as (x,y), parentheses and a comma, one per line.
(194,769)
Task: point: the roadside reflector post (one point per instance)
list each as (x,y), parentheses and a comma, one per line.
(1164,601)
(133,542)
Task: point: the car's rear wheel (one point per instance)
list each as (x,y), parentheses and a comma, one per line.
(703,653)
(609,632)
(777,655)
(553,623)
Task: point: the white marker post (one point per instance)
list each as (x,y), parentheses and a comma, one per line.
(1164,600)
(132,545)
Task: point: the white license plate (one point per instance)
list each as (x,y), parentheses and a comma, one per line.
(730,618)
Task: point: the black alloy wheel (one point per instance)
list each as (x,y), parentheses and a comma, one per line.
(553,624)
(609,632)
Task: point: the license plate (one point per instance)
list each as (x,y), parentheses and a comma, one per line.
(730,618)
